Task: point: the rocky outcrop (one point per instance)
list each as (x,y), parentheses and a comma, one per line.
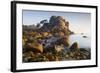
(60,26)
(55,25)
(50,42)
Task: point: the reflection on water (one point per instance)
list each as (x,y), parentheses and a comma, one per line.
(84,41)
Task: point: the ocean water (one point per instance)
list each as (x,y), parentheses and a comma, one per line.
(84,42)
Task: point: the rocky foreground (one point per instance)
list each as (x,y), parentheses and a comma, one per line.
(50,42)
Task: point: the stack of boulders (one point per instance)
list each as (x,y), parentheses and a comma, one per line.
(58,28)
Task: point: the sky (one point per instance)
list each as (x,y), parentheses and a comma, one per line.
(79,22)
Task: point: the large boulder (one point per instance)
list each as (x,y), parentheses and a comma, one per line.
(59,20)
(59,25)
(35,47)
(52,20)
(74,46)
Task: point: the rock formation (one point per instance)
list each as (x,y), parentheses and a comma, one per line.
(59,25)
(74,46)
(50,42)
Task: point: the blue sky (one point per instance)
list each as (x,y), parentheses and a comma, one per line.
(79,22)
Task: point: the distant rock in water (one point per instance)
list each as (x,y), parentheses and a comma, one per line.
(74,46)
(85,36)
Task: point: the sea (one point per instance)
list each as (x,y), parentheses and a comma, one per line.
(83,40)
